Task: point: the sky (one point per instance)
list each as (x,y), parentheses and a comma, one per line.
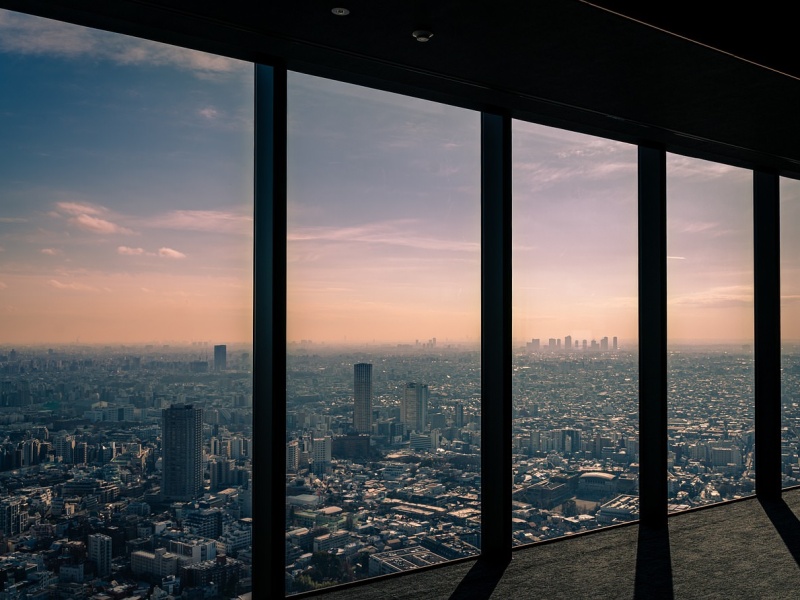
(384,228)
(126,174)
(125,189)
(384,217)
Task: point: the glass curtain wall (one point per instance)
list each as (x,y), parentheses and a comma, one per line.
(710,332)
(126,173)
(790,331)
(575,332)
(383,432)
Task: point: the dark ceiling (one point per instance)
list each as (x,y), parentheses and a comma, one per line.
(564,62)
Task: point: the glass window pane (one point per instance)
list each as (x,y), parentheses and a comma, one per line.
(575,257)
(126,173)
(710,332)
(790,330)
(383,324)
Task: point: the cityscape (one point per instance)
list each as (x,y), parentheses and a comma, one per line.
(125,472)
(405,493)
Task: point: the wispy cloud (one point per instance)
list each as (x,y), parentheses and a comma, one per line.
(209,112)
(98,225)
(676,258)
(698,227)
(3,285)
(13,220)
(74,286)
(24,34)
(170,253)
(717,297)
(162,252)
(397,233)
(127,251)
(204,220)
(78,208)
(685,167)
(712,229)
(52,251)
(89,217)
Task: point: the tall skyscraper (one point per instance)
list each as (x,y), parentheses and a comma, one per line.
(414,408)
(182,452)
(100,553)
(459,417)
(220,357)
(568,343)
(362,395)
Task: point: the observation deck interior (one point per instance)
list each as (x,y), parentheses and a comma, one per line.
(740,549)
(665,75)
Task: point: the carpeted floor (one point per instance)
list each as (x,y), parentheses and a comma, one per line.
(745,549)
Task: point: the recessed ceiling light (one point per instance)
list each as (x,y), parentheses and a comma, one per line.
(422,35)
(340,12)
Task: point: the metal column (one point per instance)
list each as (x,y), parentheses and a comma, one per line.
(652,337)
(269,332)
(496,411)
(766,245)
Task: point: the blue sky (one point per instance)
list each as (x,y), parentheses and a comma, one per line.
(125,188)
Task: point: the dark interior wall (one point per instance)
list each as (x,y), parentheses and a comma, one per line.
(568,64)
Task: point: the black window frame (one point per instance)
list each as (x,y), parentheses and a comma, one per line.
(496,356)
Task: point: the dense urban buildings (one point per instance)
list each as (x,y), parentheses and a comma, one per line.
(410,497)
(88,436)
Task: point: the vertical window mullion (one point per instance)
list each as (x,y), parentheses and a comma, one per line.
(496,397)
(269,330)
(766,246)
(652,337)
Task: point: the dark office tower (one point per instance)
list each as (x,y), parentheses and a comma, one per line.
(459,415)
(100,547)
(362,394)
(182,452)
(614,344)
(220,357)
(568,343)
(414,410)
(604,344)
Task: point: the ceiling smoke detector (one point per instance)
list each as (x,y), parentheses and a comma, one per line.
(422,35)
(340,12)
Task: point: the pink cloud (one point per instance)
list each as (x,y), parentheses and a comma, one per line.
(170,253)
(127,251)
(97,225)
